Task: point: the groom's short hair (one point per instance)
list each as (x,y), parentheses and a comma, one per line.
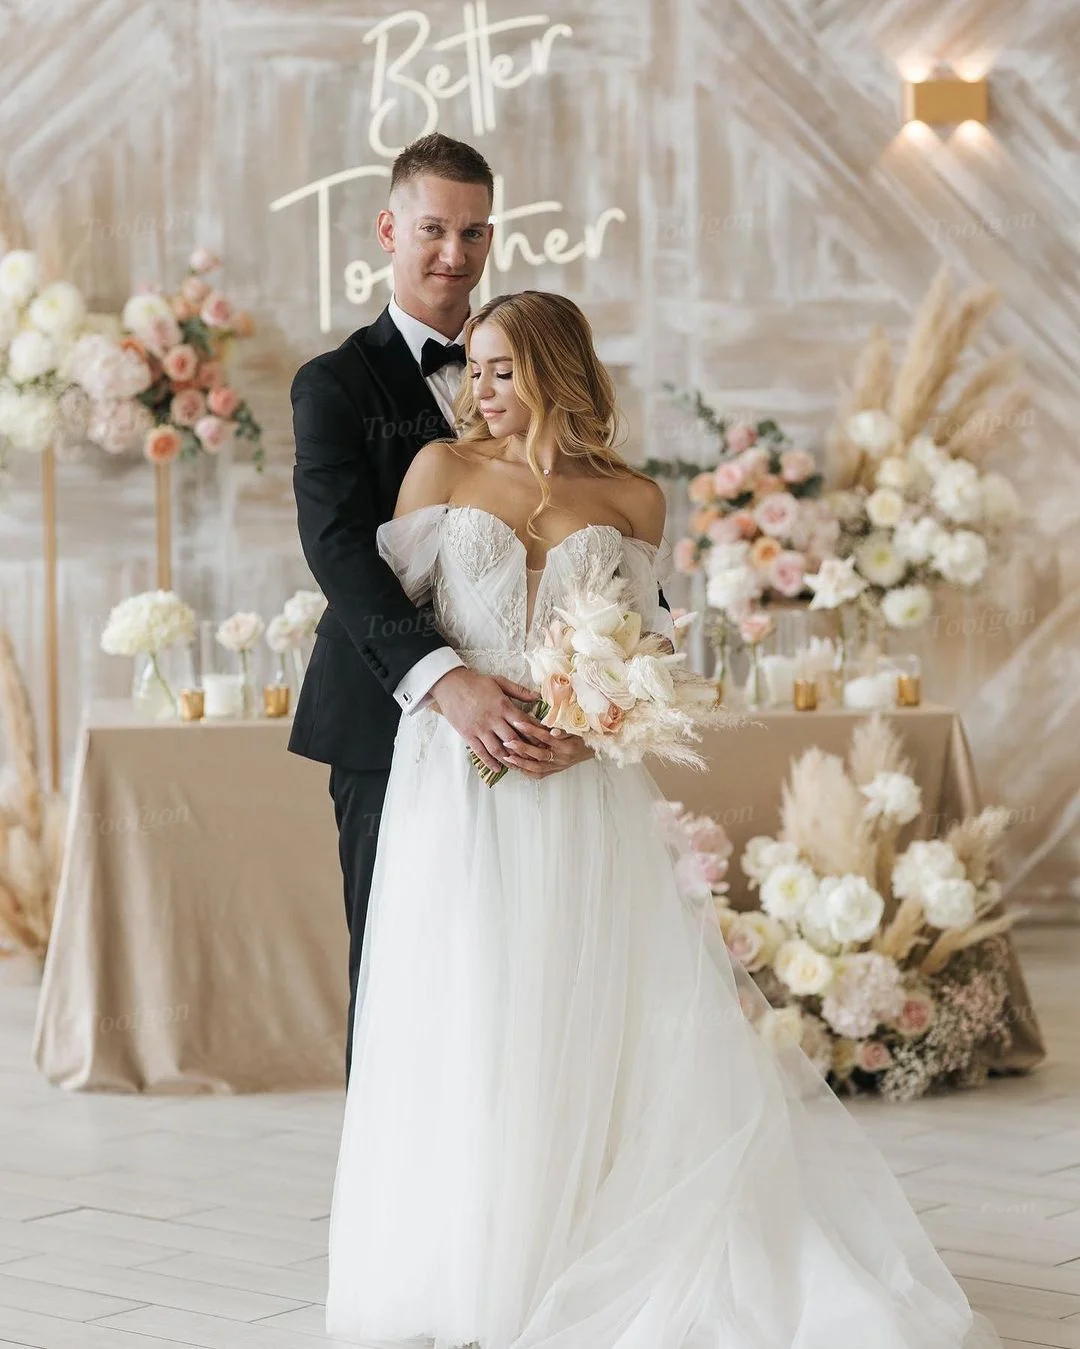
(442,157)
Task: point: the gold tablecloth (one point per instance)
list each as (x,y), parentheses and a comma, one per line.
(199,942)
(749,763)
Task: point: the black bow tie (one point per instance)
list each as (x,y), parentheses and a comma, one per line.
(435,355)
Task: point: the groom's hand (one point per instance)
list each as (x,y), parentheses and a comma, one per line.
(481,709)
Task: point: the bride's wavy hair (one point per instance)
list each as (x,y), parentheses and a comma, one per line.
(560,379)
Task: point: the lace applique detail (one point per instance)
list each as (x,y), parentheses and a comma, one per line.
(478,541)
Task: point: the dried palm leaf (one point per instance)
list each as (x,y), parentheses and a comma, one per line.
(903,932)
(12,227)
(876,748)
(20,736)
(822,813)
(957,939)
(983,428)
(977,838)
(870,386)
(927,326)
(994,373)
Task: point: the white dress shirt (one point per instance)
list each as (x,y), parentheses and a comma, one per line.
(412,692)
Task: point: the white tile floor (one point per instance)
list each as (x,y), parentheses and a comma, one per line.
(140,1223)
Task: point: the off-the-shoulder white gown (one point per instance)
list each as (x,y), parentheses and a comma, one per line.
(562,1129)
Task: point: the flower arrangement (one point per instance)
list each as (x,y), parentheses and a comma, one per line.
(39,325)
(704,852)
(162,383)
(625,692)
(915,509)
(146,624)
(886,968)
(286,632)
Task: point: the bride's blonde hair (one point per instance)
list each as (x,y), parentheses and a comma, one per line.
(560,379)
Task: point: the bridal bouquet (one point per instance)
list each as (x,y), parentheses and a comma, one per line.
(916,509)
(884,968)
(619,688)
(161,385)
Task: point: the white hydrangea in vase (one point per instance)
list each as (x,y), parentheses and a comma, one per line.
(144,626)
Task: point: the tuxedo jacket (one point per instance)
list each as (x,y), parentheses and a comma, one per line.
(360,414)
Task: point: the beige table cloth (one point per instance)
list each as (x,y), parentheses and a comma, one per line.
(749,763)
(200,944)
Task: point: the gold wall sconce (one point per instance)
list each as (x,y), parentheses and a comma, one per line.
(946,101)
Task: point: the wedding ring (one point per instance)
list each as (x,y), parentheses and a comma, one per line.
(551,755)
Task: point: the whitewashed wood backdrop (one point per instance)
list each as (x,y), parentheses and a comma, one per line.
(774,211)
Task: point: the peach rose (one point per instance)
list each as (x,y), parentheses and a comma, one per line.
(755,626)
(776,514)
(216,310)
(181,309)
(556,690)
(872,1056)
(608,722)
(741,437)
(194,290)
(746,524)
(162,444)
(213,433)
(223,401)
(754,463)
(702,518)
(161,333)
(915,1016)
(764,552)
(685,557)
(187,407)
(797,465)
(569,717)
(700,489)
(180,363)
(787,572)
(202,260)
(769,483)
(211,375)
(729,479)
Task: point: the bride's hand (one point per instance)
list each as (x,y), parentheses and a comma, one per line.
(546,751)
(481,709)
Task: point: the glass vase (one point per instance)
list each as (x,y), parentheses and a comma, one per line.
(250,702)
(754,691)
(151,694)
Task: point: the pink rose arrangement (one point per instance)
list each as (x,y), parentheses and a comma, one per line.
(173,372)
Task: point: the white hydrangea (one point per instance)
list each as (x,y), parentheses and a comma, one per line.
(20,276)
(30,356)
(924,861)
(962,558)
(733,588)
(893,798)
(58,310)
(907,606)
(957,492)
(305,608)
(925,453)
(915,540)
(866,991)
(884,508)
(28,419)
(949,901)
(148,623)
(879,561)
(895,473)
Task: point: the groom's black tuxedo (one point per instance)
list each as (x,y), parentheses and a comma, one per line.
(360,414)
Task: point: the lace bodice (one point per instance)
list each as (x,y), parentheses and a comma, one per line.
(471,565)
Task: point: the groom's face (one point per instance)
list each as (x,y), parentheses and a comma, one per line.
(439,236)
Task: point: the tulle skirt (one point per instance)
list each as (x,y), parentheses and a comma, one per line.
(562,1128)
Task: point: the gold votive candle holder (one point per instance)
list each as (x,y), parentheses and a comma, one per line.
(908,690)
(191,704)
(276,700)
(805,695)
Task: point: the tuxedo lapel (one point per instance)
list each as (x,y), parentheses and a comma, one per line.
(391,363)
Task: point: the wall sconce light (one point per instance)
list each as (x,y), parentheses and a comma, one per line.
(946,101)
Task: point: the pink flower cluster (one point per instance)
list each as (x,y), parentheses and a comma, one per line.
(705,847)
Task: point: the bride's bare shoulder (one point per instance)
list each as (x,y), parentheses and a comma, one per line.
(644,504)
(436,470)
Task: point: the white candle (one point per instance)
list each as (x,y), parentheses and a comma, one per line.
(779,678)
(223,695)
(870,691)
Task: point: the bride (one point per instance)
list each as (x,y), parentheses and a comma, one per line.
(562,1128)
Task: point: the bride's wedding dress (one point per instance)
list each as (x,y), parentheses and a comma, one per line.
(562,1128)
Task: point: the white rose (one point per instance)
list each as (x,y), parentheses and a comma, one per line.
(884,507)
(855,909)
(305,608)
(762,854)
(1000,504)
(873,431)
(142,309)
(786,890)
(648,677)
(806,972)
(927,455)
(962,558)
(815,921)
(58,310)
(9,323)
(30,356)
(924,861)
(949,902)
(595,645)
(727,556)
(240,632)
(915,540)
(894,473)
(547,660)
(20,275)
(907,606)
(957,492)
(610,677)
(781,1028)
(281,634)
(770,935)
(835,583)
(879,562)
(894,798)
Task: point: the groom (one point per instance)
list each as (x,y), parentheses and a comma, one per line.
(360,414)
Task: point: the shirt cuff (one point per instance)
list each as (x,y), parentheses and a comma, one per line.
(412,692)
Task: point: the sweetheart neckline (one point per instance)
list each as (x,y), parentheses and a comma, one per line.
(584,529)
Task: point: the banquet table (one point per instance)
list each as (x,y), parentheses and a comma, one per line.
(199,941)
(749,762)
